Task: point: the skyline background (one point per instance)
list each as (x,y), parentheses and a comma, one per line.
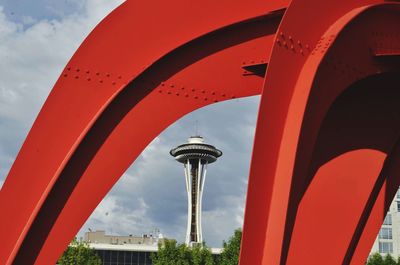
(37,40)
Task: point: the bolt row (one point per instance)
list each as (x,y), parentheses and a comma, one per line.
(289,43)
(77,73)
(200,94)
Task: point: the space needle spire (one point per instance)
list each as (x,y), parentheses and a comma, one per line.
(195,155)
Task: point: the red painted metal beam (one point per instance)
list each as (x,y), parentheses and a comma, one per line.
(128,88)
(180,94)
(291,165)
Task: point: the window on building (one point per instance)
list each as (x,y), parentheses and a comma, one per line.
(147,258)
(398,194)
(385,247)
(107,256)
(385,233)
(121,257)
(388,219)
(128,257)
(135,258)
(142,258)
(398,206)
(114,256)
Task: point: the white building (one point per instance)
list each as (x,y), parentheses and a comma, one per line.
(127,250)
(388,239)
(100,237)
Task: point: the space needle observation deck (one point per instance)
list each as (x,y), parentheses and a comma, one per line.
(195,156)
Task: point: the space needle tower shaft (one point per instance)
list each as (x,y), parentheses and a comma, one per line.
(195,156)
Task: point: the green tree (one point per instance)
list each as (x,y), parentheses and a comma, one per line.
(171,253)
(230,254)
(79,253)
(202,256)
(377,259)
(388,260)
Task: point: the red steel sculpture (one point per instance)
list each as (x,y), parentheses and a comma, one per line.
(326,158)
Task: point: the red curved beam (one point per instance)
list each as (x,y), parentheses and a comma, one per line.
(118,93)
(123,85)
(292,149)
(146,120)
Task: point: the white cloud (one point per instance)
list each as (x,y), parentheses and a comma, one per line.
(111,216)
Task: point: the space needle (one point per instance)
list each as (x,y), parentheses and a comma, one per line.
(195,155)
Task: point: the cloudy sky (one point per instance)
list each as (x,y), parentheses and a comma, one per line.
(37,38)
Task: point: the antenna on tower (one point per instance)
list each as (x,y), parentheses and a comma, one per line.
(197,128)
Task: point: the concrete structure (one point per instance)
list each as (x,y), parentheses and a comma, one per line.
(100,237)
(388,239)
(195,156)
(126,254)
(130,254)
(127,250)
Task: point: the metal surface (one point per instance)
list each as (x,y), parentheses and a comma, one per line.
(325,158)
(299,150)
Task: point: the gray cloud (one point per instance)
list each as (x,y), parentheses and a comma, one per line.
(152,191)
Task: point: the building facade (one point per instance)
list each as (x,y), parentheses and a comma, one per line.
(100,237)
(127,250)
(124,250)
(388,239)
(126,254)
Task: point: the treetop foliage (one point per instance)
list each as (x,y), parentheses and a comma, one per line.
(377,259)
(79,252)
(171,253)
(230,254)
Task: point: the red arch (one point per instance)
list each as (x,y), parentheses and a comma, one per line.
(292,109)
